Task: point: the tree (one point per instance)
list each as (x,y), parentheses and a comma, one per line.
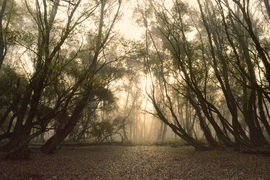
(90,80)
(47,67)
(6,12)
(221,68)
(247,68)
(12,86)
(208,72)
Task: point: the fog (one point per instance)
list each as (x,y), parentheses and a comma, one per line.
(142,72)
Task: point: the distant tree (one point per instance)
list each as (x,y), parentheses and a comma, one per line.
(5,18)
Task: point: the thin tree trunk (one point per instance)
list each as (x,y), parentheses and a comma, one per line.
(267,6)
(177,129)
(3,46)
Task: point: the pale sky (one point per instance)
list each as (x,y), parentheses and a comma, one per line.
(127,26)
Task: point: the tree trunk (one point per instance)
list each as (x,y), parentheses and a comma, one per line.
(60,135)
(256,136)
(262,113)
(267,6)
(178,129)
(163,134)
(3,46)
(207,133)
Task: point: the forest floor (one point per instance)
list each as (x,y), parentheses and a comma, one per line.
(137,162)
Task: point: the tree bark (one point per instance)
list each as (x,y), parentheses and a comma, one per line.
(60,135)
(267,6)
(3,45)
(177,129)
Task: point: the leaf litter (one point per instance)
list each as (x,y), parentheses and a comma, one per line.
(137,162)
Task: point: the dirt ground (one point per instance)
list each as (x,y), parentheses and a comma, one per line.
(137,162)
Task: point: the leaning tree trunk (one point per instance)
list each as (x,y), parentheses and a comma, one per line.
(60,135)
(206,131)
(178,129)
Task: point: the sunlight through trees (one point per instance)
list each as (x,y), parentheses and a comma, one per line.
(74,71)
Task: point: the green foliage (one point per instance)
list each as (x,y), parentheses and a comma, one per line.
(15,36)
(104,94)
(102,130)
(12,84)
